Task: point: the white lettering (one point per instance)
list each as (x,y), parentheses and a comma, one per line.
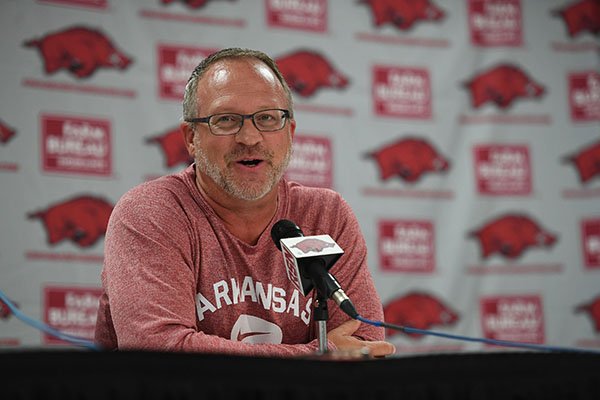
(293,303)
(221,292)
(202,305)
(248,289)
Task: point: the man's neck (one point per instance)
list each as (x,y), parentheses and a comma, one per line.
(245,219)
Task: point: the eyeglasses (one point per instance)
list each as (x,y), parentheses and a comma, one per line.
(230,123)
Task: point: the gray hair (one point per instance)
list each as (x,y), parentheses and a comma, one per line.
(190,98)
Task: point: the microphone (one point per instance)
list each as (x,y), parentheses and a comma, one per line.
(307,261)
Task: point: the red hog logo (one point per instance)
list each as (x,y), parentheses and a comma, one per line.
(316,245)
(307,71)
(173,148)
(190,3)
(82,220)
(502,85)
(409,159)
(418,310)
(79,50)
(510,235)
(587,162)
(593,310)
(404,13)
(581,16)
(5,311)
(6,132)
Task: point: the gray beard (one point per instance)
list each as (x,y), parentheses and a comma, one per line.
(243,190)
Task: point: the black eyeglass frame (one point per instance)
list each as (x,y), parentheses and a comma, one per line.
(286,116)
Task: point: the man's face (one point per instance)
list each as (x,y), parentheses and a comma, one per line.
(247,165)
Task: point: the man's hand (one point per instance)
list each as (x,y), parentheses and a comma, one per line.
(342,338)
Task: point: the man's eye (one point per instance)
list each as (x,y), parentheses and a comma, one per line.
(265,117)
(225,119)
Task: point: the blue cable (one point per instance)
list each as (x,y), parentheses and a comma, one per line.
(76,340)
(504,343)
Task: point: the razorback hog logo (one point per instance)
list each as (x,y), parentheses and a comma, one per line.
(593,310)
(502,85)
(6,132)
(5,311)
(79,50)
(190,3)
(418,310)
(409,159)
(82,220)
(173,147)
(580,16)
(404,13)
(510,235)
(587,162)
(316,245)
(307,71)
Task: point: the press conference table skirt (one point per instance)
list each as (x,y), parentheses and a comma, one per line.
(65,374)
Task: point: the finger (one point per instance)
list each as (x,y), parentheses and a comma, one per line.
(380,348)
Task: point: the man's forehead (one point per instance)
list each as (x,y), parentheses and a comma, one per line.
(222,70)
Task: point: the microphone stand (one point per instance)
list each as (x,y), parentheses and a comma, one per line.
(320,317)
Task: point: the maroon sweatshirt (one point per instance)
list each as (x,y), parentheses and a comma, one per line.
(175,279)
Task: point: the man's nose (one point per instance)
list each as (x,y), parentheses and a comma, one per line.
(248,133)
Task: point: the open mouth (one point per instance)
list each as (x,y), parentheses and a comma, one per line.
(250,162)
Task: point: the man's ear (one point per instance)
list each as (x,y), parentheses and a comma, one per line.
(188,137)
(292,127)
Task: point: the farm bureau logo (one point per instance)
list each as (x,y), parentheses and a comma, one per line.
(495,22)
(502,169)
(402,92)
(72,310)
(310,15)
(590,240)
(175,65)
(513,318)
(584,96)
(312,161)
(76,145)
(407,246)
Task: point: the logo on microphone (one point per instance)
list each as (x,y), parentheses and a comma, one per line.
(316,245)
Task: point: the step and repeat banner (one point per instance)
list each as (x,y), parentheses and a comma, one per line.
(465,134)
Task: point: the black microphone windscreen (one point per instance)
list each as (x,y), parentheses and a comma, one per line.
(284,229)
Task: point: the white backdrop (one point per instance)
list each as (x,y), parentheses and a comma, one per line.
(466,136)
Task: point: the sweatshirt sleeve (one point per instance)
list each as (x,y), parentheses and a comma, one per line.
(149,281)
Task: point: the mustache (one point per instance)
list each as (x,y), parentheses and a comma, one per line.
(257,151)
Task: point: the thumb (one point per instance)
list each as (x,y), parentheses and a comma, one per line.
(348,327)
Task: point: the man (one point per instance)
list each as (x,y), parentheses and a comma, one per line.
(189,261)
